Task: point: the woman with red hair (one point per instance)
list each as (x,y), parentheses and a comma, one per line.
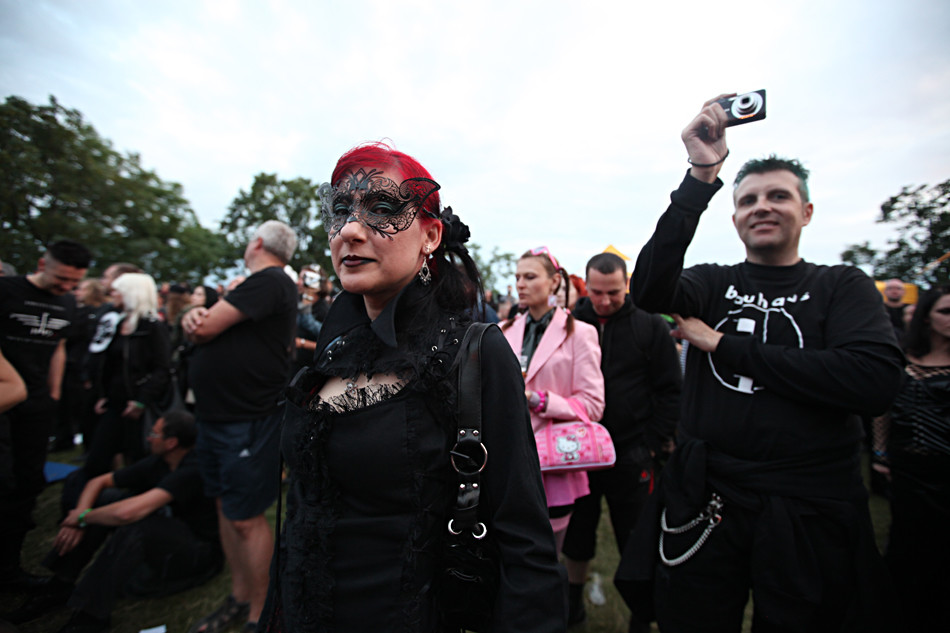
(369,430)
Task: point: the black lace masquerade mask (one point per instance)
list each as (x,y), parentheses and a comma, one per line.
(378,202)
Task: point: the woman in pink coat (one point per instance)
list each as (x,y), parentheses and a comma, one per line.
(560,359)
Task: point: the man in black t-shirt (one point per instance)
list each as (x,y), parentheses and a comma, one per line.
(164,533)
(763,491)
(37,312)
(238,371)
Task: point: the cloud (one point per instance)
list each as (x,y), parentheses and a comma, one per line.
(545,123)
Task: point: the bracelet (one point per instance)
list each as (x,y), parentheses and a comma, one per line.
(138,405)
(542,401)
(689,160)
(82,517)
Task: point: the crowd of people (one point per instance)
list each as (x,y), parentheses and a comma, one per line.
(738,455)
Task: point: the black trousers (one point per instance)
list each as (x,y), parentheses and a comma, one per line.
(918,552)
(115,434)
(24,434)
(709,591)
(626,487)
(156,556)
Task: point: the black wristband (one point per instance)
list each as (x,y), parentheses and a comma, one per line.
(725,156)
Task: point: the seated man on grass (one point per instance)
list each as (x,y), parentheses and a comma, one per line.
(164,533)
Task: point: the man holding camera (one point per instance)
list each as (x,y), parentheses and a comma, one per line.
(764,492)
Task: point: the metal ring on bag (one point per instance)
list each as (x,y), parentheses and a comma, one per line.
(484,531)
(480,468)
(474,534)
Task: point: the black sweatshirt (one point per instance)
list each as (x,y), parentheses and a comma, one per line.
(804,347)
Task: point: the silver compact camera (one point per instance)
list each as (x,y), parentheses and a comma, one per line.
(744,108)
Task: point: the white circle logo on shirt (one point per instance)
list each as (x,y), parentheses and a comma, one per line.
(770,325)
(105,332)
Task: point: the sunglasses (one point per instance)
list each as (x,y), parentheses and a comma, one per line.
(543,250)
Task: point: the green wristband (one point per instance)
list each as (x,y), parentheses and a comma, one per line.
(82,517)
(139,405)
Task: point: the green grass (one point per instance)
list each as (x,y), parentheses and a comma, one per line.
(179,611)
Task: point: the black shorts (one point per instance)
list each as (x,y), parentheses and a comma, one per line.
(239,462)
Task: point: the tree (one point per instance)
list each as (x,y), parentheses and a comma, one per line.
(60,179)
(295,202)
(920,252)
(498,267)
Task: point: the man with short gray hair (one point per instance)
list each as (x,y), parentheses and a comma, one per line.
(238,371)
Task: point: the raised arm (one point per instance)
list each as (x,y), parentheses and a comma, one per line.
(655,283)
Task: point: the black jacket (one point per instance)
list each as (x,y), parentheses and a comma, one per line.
(642,377)
(136,367)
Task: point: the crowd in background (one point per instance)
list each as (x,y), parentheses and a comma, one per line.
(185,396)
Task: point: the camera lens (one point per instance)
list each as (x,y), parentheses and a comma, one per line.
(746,105)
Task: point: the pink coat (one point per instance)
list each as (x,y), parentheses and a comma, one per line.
(564,367)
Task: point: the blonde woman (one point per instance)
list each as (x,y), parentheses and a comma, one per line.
(131,374)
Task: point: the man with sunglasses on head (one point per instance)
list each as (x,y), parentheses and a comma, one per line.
(764,491)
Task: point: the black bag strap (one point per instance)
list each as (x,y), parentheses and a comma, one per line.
(469,455)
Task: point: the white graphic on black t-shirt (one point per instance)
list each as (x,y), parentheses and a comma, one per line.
(40,325)
(105,331)
(774,326)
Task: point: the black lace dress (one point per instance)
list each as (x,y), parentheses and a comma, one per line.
(370,482)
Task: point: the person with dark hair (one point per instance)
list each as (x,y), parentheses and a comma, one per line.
(204,296)
(642,387)
(912,443)
(157,530)
(361,546)
(764,491)
(74,412)
(238,370)
(37,312)
(560,362)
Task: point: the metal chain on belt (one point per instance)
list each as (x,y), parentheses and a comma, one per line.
(711,514)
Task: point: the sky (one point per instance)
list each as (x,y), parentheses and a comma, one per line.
(553,123)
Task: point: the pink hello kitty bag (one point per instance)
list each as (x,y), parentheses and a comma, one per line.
(577,445)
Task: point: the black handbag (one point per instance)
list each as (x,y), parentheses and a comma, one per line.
(468,582)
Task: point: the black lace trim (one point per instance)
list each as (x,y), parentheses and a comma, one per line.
(360,398)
